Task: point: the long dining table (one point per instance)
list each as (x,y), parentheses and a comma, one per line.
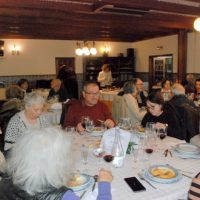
(120,190)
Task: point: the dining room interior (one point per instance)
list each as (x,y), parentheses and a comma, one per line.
(144,43)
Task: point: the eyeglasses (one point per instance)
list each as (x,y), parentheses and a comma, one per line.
(92,94)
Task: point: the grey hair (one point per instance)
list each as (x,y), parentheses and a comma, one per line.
(14,91)
(33,98)
(129,87)
(177,89)
(41,159)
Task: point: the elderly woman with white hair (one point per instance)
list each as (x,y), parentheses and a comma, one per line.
(40,166)
(29,118)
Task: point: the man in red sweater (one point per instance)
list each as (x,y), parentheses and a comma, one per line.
(89,106)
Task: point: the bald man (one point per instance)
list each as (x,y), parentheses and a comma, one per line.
(58,90)
(178,96)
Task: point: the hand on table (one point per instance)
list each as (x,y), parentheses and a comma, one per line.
(80,128)
(105,176)
(109,123)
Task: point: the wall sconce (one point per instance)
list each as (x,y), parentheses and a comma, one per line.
(105,50)
(85,50)
(197,24)
(15,49)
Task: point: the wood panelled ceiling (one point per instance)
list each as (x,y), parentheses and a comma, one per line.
(96,20)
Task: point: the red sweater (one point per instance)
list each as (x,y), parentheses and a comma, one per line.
(79,109)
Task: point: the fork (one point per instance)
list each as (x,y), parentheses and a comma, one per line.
(142,178)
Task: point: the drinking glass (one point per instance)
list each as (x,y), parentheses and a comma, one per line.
(162,133)
(135,156)
(89,125)
(84,120)
(70,130)
(84,155)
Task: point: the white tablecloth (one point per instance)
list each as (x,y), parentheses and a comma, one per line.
(121,191)
(108,95)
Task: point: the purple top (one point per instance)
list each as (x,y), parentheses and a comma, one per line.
(104,193)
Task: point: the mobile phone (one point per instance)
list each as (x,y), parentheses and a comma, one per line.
(135,184)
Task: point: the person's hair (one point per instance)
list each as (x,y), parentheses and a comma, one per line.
(85,85)
(177,89)
(197,80)
(105,66)
(41,159)
(156,97)
(129,86)
(14,91)
(58,81)
(164,81)
(22,81)
(33,98)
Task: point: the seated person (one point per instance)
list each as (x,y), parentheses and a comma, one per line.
(14,98)
(29,118)
(178,96)
(141,93)
(58,91)
(166,86)
(194,192)
(40,166)
(125,103)
(197,88)
(189,84)
(162,114)
(105,76)
(90,106)
(12,105)
(24,85)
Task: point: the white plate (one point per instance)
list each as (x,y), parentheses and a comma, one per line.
(162,174)
(81,182)
(187,148)
(97,132)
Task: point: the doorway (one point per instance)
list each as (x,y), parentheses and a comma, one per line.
(160,67)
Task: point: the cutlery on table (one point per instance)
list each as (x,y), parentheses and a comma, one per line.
(187,176)
(142,178)
(82,195)
(95,180)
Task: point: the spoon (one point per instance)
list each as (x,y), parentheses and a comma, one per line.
(95,180)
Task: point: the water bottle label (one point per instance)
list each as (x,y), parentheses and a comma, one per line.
(118,161)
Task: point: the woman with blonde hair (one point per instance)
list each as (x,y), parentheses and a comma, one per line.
(105,76)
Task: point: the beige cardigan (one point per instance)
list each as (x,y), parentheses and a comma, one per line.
(126,106)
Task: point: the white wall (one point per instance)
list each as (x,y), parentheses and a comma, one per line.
(147,48)
(38,56)
(193,54)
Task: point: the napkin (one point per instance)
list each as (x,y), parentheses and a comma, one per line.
(109,137)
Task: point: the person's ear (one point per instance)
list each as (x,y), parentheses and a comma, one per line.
(83,93)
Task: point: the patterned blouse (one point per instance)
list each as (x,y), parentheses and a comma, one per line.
(17,127)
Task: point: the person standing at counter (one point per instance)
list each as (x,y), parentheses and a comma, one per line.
(105,76)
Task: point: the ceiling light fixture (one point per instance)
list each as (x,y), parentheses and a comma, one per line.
(197,24)
(83,49)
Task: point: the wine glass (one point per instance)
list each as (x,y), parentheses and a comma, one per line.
(89,125)
(84,155)
(162,133)
(70,130)
(84,120)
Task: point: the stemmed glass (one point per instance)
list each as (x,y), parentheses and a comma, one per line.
(89,126)
(84,155)
(162,133)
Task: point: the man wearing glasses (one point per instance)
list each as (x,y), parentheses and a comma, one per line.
(89,106)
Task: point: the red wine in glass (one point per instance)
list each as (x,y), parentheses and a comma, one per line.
(149,151)
(108,158)
(162,136)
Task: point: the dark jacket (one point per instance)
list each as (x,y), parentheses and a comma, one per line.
(170,117)
(178,100)
(8,191)
(61,93)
